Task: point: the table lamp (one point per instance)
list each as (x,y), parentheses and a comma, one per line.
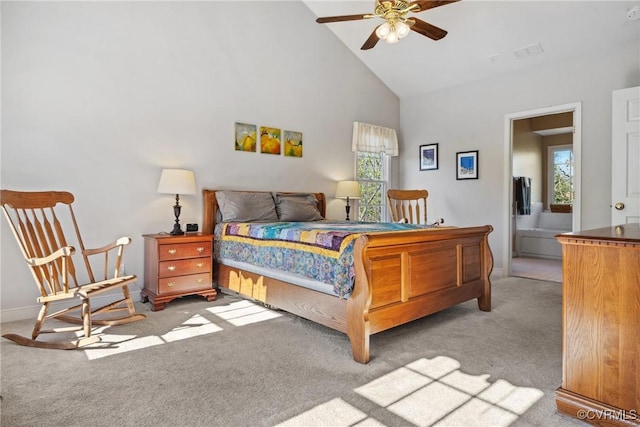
(177,181)
(348,190)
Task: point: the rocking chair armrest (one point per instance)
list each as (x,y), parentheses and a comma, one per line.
(122,241)
(60,253)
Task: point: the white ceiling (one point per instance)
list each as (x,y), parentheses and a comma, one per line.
(479,30)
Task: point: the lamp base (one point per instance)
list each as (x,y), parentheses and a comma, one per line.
(347,209)
(177,231)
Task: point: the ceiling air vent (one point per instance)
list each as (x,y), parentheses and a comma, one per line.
(523,52)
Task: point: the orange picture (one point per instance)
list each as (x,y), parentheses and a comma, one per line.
(269,140)
(292,143)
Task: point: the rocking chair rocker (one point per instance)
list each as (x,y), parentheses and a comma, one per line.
(37,224)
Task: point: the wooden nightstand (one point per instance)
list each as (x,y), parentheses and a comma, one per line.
(175,266)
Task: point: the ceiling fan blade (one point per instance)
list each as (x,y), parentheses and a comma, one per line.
(427,29)
(371,41)
(328,19)
(429,4)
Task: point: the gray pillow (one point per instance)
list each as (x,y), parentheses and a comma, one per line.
(297,207)
(243,206)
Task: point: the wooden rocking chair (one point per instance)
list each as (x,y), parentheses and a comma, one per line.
(37,224)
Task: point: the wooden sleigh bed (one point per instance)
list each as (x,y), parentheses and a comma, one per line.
(399,277)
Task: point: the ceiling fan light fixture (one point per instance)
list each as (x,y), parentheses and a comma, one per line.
(402,29)
(383,31)
(392,37)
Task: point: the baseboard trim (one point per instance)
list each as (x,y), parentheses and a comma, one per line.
(496,273)
(594,412)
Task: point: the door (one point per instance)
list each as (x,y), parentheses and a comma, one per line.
(625,156)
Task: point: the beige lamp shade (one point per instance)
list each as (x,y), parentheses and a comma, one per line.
(177,181)
(348,190)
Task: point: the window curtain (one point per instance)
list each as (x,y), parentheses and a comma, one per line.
(374,139)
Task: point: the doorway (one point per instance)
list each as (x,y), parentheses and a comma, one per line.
(527,253)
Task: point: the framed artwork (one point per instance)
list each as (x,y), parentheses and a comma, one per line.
(467,165)
(292,143)
(429,157)
(245,137)
(269,140)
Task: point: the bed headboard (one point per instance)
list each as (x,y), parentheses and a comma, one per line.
(210,206)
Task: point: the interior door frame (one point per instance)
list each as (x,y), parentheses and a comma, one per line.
(576,109)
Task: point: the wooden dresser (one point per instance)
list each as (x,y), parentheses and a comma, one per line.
(175,266)
(601,326)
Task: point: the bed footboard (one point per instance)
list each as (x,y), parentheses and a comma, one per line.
(400,278)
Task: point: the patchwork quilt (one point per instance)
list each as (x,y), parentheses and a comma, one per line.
(320,250)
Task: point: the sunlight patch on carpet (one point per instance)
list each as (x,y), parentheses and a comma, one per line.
(195,326)
(243,313)
(393,386)
(112,344)
(435,368)
(430,392)
(426,406)
(335,413)
(510,397)
(238,313)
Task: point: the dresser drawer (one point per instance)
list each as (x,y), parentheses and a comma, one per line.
(184,283)
(182,267)
(183,250)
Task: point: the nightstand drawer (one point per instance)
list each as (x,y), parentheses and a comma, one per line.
(183,267)
(185,283)
(183,250)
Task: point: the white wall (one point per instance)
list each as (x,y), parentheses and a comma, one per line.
(472,116)
(527,156)
(98,97)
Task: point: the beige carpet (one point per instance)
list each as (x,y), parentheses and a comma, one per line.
(233,363)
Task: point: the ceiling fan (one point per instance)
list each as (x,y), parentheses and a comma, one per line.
(396,24)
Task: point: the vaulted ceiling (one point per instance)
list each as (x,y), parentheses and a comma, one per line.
(485,38)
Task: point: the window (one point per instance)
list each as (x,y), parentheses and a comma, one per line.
(560,179)
(372,174)
(373,145)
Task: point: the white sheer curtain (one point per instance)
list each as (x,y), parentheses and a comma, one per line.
(374,139)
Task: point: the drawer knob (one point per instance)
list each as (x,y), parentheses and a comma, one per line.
(171,284)
(200,280)
(200,249)
(172,251)
(171,268)
(200,264)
